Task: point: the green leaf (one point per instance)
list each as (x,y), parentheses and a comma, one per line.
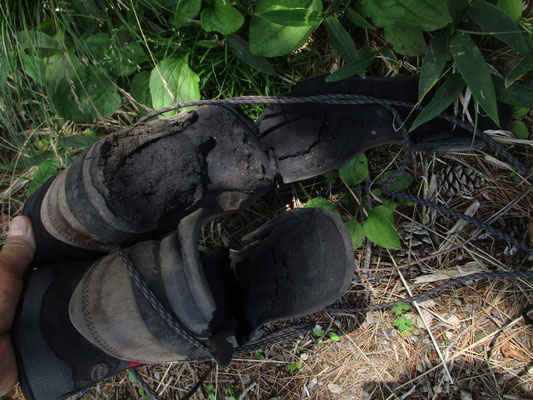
(209,44)
(356,66)
(272,40)
(513,8)
(318,332)
(80,141)
(118,61)
(140,90)
(445,95)
(95,97)
(425,15)
(379,228)
(340,39)
(45,171)
(333,336)
(434,62)
(131,378)
(331,177)
(457,9)
(497,23)
(403,182)
(294,366)
(58,67)
(172,82)
(355,229)
(520,112)
(185,11)
(357,19)
(241,49)
(475,72)
(515,95)
(35,67)
(293,17)
(400,308)
(222,18)
(520,130)
(4,68)
(320,202)
(35,40)
(522,68)
(406,40)
(355,171)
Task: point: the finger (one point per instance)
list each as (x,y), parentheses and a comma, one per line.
(8,366)
(15,257)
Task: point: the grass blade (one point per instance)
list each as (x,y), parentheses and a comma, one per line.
(434,62)
(475,72)
(445,95)
(498,23)
(341,40)
(523,67)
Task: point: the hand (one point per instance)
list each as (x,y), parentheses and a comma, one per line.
(15,257)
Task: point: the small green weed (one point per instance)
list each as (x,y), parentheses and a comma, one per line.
(296,366)
(404,325)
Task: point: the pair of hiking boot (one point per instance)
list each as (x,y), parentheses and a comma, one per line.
(85,316)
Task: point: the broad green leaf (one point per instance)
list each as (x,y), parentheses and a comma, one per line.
(434,63)
(294,17)
(513,8)
(475,72)
(270,39)
(340,39)
(457,9)
(140,90)
(331,177)
(35,40)
(497,23)
(356,66)
(77,141)
(119,61)
(354,171)
(241,49)
(318,332)
(59,65)
(445,95)
(403,182)
(520,112)
(185,11)
(406,40)
(520,130)
(223,18)
(522,68)
(333,336)
(355,229)
(45,171)
(379,228)
(95,96)
(320,202)
(34,67)
(515,95)
(357,19)
(172,82)
(425,15)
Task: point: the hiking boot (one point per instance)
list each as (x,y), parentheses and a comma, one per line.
(137,183)
(323,137)
(78,325)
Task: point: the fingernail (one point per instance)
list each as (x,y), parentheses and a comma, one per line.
(18,227)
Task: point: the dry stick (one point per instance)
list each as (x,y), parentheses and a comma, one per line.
(415,303)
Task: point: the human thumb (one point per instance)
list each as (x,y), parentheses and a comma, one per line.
(19,248)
